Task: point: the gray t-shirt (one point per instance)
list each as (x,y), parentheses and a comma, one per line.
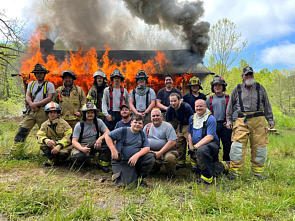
(89,133)
(159,136)
(141,100)
(116,99)
(133,142)
(39,96)
(219,104)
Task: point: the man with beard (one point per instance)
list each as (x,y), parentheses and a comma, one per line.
(38,94)
(126,117)
(162,139)
(253,107)
(178,114)
(114,97)
(88,138)
(142,99)
(164,93)
(71,98)
(194,94)
(95,93)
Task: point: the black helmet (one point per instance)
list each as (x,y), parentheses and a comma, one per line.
(141,74)
(39,68)
(117,73)
(218,80)
(70,73)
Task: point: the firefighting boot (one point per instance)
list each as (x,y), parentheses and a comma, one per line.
(259,176)
(232,176)
(49,163)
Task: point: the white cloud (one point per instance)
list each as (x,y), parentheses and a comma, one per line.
(280,54)
(258,21)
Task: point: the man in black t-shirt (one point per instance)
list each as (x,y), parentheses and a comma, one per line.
(163,95)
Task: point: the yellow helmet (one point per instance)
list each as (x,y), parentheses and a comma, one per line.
(195,81)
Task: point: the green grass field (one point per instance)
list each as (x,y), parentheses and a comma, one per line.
(28,191)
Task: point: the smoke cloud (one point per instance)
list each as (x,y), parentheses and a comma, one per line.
(125,24)
(169,15)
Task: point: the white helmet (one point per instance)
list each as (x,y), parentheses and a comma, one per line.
(99,73)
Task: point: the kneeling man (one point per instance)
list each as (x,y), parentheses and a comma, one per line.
(162,138)
(54,136)
(203,143)
(131,157)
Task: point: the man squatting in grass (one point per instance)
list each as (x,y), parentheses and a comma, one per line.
(131,154)
(162,138)
(88,138)
(54,136)
(204,144)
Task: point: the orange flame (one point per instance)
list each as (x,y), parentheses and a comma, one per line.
(85,64)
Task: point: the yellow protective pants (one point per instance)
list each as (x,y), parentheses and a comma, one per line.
(253,129)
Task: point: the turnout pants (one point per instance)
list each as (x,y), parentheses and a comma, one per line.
(224,135)
(102,155)
(206,159)
(62,155)
(253,129)
(29,122)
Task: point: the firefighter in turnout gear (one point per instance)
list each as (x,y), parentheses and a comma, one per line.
(38,94)
(71,98)
(253,107)
(95,93)
(54,136)
(114,97)
(88,139)
(217,104)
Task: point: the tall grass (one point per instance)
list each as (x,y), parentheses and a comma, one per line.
(30,192)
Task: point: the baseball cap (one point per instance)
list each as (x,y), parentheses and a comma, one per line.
(248,70)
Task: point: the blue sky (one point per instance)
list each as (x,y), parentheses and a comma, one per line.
(268,25)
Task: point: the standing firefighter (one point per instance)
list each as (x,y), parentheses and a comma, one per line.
(38,94)
(54,136)
(88,137)
(252,104)
(95,93)
(71,98)
(142,99)
(217,104)
(114,97)
(194,94)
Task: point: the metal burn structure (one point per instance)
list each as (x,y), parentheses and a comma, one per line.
(181,64)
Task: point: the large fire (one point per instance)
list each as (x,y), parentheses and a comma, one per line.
(84,64)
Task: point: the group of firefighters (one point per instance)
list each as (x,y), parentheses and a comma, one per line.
(127,132)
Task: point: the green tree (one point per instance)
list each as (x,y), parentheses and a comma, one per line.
(226,45)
